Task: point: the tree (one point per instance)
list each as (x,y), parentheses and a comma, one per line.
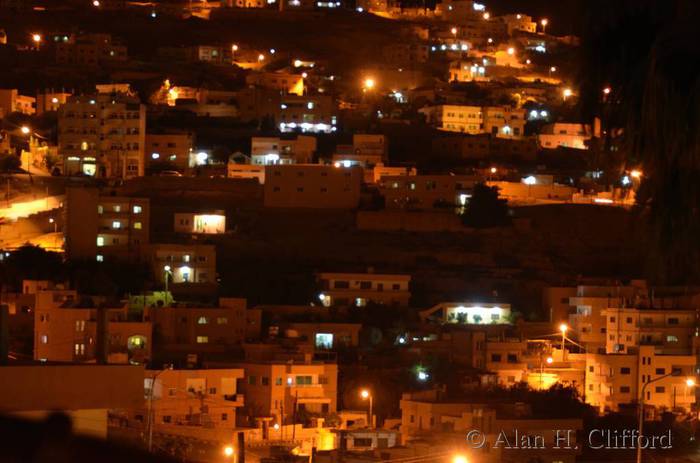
(485,208)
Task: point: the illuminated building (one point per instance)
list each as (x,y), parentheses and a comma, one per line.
(468,313)
(422,192)
(102,226)
(213,223)
(172,148)
(283,81)
(50,101)
(102,135)
(565,135)
(183,263)
(361,289)
(276,150)
(11,101)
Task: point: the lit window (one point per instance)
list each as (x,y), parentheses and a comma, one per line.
(202,321)
(100,241)
(100,209)
(137,225)
(155,155)
(137,209)
(100,257)
(221,321)
(44,339)
(186,258)
(324,340)
(202,339)
(116,225)
(117,208)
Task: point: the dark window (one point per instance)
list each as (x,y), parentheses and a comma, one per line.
(624,371)
(660,371)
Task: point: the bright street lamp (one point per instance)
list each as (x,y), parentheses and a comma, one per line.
(454,31)
(365,394)
(36,38)
(544,23)
(636,174)
(563,328)
(567,93)
(228,451)
(369,83)
(511,50)
(25,130)
(261,57)
(690,382)
(459,459)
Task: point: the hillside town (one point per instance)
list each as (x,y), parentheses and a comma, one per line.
(357,231)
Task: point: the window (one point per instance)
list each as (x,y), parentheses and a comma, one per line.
(629,320)
(202,339)
(495,357)
(167,418)
(624,371)
(212,390)
(100,258)
(324,340)
(80,325)
(590,369)
(660,389)
(660,371)
(100,241)
(221,320)
(137,209)
(116,225)
(278,381)
(117,208)
(672,321)
(265,381)
(100,209)
(44,339)
(252,380)
(624,389)
(512,358)
(224,417)
(362,442)
(396,287)
(202,321)
(303,380)
(137,225)
(612,319)
(365,285)
(671,338)
(340,284)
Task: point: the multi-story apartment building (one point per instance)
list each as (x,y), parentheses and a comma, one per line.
(276,150)
(326,336)
(587,320)
(426,191)
(310,113)
(518,22)
(500,121)
(191,329)
(183,263)
(671,330)
(280,390)
(99,226)
(50,101)
(565,135)
(102,135)
(312,186)
(613,380)
(203,398)
(175,148)
(11,101)
(66,329)
(361,289)
(90,50)
(467,71)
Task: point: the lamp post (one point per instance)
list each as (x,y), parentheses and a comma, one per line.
(549,361)
(690,382)
(166,273)
(563,328)
(150,410)
(365,394)
(26,131)
(544,23)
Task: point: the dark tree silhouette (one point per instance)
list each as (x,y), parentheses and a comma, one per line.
(646,53)
(485,208)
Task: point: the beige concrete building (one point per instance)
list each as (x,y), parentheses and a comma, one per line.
(183,263)
(66,330)
(276,150)
(280,390)
(175,148)
(284,81)
(11,101)
(627,329)
(565,135)
(476,313)
(613,380)
(426,191)
(361,289)
(312,186)
(203,398)
(50,101)
(102,135)
(90,50)
(101,227)
(206,223)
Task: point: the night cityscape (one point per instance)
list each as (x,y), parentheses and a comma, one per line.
(350,231)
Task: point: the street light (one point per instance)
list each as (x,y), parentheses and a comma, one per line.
(567,93)
(563,328)
(36,38)
(365,394)
(369,83)
(228,451)
(690,382)
(167,273)
(454,31)
(25,130)
(544,23)
(459,459)
(636,174)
